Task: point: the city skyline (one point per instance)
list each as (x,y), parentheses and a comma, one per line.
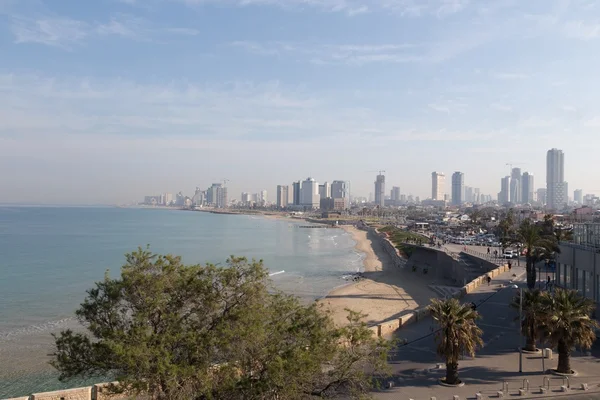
(158,96)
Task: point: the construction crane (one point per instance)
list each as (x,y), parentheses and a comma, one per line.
(380,171)
(511,165)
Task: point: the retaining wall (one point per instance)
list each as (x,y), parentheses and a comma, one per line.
(386,328)
(96,392)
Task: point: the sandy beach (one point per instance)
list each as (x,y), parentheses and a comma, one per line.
(385,291)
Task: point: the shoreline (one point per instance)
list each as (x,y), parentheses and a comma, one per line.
(382,292)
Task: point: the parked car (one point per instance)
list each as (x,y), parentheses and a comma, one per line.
(509,254)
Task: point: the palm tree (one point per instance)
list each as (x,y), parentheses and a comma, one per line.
(533,302)
(566,323)
(458,333)
(538,248)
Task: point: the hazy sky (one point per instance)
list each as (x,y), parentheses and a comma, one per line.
(105,101)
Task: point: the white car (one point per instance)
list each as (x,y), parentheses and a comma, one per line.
(509,254)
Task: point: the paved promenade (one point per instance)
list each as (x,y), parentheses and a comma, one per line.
(415,365)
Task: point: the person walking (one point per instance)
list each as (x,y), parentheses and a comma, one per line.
(489,279)
(488,251)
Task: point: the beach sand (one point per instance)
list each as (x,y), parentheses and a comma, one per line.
(385,292)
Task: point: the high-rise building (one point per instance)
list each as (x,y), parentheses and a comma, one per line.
(541,195)
(477,196)
(263,197)
(340,190)
(380,190)
(395,194)
(516,187)
(468,194)
(246,198)
(282,196)
(438,182)
(296,188)
(556,187)
(527,188)
(324,190)
(504,195)
(309,194)
(578,196)
(458,188)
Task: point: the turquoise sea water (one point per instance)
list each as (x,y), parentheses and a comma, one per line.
(49,256)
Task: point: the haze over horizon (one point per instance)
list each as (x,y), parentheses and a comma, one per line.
(107,101)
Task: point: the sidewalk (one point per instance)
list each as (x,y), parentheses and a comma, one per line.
(417,368)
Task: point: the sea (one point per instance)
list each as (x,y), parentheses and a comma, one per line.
(50,256)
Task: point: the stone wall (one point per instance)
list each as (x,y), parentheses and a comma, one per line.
(96,392)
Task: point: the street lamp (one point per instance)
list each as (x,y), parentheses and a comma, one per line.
(520,329)
(519,255)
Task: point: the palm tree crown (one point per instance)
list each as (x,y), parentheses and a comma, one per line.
(567,323)
(533,303)
(458,333)
(538,246)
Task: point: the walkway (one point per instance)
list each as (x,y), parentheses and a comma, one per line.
(415,364)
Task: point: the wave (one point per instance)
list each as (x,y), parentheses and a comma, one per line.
(277,273)
(36,328)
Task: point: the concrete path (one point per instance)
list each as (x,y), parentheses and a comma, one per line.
(415,365)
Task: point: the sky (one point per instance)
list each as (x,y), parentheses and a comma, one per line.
(106,101)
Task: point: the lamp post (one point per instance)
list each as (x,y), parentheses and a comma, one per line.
(520,330)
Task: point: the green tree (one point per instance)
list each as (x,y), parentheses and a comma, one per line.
(566,323)
(563,235)
(537,246)
(458,333)
(533,303)
(206,332)
(506,228)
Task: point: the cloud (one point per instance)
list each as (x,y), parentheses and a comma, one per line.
(362,54)
(67,33)
(509,76)
(403,8)
(501,107)
(58,32)
(582,30)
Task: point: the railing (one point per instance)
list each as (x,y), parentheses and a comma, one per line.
(498,260)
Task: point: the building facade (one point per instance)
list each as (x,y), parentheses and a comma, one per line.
(438,183)
(282,196)
(556,187)
(578,263)
(395,194)
(380,190)
(458,188)
(527,188)
(296,189)
(504,195)
(324,190)
(515,186)
(541,196)
(578,196)
(309,194)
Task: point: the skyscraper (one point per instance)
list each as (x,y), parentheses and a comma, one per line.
(395,194)
(296,189)
(282,196)
(527,188)
(578,196)
(324,190)
(541,196)
(458,188)
(556,187)
(468,195)
(516,187)
(438,181)
(380,190)
(504,195)
(340,190)
(309,194)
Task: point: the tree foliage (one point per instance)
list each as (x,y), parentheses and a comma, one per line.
(533,303)
(206,332)
(566,322)
(458,333)
(538,245)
